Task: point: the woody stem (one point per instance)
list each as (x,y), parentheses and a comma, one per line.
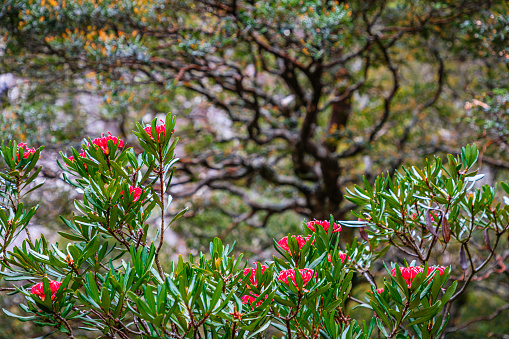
(161,231)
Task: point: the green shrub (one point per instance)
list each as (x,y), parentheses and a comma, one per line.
(109,277)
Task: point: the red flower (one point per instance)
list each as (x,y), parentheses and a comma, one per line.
(159,129)
(408,273)
(439,269)
(252,278)
(306,274)
(26,151)
(38,289)
(248,299)
(342,256)
(325,224)
(380,290)
(301,241)
(134,190)
(102,142)
(82,155)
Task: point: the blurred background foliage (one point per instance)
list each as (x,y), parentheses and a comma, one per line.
(281,104)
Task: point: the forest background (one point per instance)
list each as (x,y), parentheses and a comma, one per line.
(281,106)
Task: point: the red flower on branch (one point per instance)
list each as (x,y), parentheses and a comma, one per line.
(102,142)
(408,273)
(136,191)
(301,241)
(325,224)
(159,129)
(439,269)
(26,151)
(252,278)
(341,255)
(306,273)
(38,289)
(82,155)
(380,290)
(250,298)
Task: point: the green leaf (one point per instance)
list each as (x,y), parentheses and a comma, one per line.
(381,327)
(91,287)
(105,299)
(72,237)
(505,186)
(449,292)
(217,294)
(425,314)
(10,314)
(319,291)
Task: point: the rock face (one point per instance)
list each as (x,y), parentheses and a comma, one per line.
(7,82)
(219,122)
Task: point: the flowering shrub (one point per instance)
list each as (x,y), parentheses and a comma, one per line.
(110,278)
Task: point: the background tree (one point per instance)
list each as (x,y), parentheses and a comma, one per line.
(314,94)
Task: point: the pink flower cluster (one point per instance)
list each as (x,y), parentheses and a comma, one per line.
(38,289)
(82,155)
(323,223)
(306,273)
(248,299)
(136,191)
(26,151)
(409,273)
(301,241)
(102,142)
(251,297)
(159,129)
(342,256)
(253,270)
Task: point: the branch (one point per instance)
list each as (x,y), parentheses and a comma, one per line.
(255,202)
(477,319)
